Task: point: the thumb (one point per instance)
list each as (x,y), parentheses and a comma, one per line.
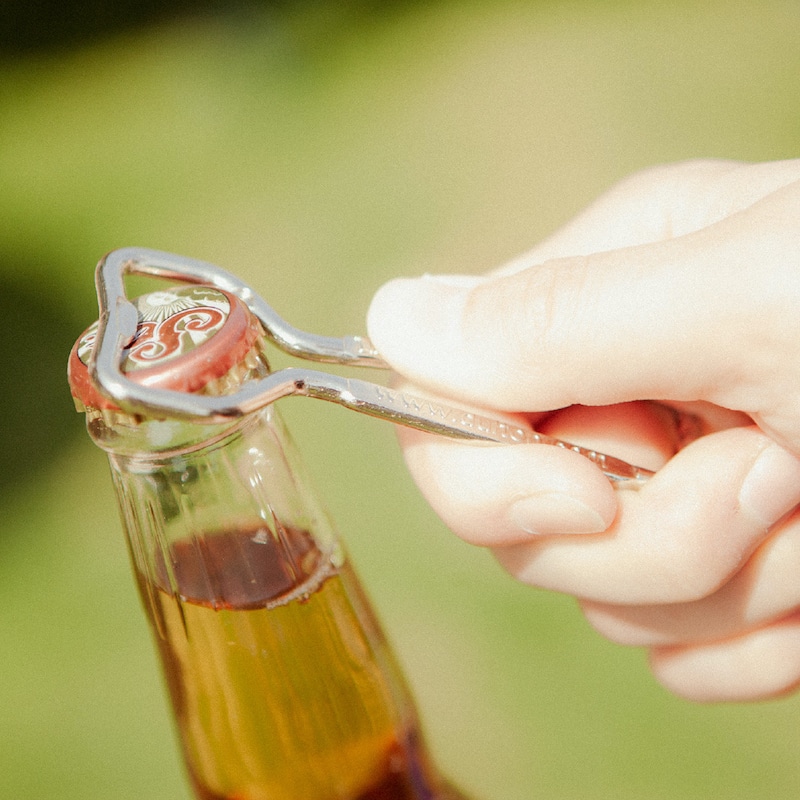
(650,321)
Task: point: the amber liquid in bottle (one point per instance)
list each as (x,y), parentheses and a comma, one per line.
(282,684)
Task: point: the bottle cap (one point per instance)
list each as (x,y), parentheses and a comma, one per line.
(187,339)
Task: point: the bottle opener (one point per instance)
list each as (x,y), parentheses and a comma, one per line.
(117,327)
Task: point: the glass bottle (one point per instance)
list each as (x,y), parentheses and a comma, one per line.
(281,682)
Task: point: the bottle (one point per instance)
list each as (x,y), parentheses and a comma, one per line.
(281,682)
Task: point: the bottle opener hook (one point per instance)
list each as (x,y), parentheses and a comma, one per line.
(118,324)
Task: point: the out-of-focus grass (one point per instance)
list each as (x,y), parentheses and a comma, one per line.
(318,154)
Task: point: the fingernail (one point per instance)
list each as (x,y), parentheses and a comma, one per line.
(772,487)
(551,513)
(413,322)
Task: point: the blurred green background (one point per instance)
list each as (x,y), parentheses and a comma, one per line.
(318,149)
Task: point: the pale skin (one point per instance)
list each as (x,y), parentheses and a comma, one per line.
(676,291)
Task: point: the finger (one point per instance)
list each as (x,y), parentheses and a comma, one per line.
(595,330)
(501,495)
(759,665)
(565,333)
(651,320)
(642,433)
(496,495)
(764,590)
(680,537)
(661,202)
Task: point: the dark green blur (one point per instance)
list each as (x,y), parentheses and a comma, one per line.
(318,149)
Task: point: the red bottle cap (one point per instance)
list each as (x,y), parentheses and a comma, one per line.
(187,338)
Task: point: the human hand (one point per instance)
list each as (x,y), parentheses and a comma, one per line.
(681,285)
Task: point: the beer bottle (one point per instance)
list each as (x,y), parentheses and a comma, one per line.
(281,682)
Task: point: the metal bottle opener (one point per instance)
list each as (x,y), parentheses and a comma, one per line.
(118,323)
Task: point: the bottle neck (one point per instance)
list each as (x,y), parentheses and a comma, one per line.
(125,434)
(177,481)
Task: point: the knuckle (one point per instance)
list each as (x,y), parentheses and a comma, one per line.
(541,321)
